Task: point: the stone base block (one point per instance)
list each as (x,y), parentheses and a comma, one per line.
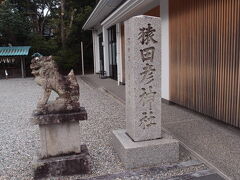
(145,153)
(63,165)
(59,139)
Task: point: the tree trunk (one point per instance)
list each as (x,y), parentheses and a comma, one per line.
(43,22)
(71,22)
(62,23)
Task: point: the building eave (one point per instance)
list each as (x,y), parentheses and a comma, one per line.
(128,9)
(101,11)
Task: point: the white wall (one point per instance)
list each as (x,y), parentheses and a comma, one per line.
(96,54)
(119,53)
(105,47)
(164,10)
(96,51)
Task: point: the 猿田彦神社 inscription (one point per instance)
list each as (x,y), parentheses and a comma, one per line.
(147,97)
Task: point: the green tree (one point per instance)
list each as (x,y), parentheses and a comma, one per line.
(26,22)
(37,11)
(75,15)
(14,26)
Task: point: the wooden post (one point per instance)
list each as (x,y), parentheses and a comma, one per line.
(23,67)
(82,58)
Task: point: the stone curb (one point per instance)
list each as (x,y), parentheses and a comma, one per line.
(157,170)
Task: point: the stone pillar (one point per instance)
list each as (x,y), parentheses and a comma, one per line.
(143,78)
(142,143)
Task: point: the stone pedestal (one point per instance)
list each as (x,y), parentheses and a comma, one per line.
(61,152)
(145,153)
(142,144)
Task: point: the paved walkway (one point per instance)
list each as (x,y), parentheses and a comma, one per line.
(211,140)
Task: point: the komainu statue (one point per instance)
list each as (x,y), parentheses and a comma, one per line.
(46,73)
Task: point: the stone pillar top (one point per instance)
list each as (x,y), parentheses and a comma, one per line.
(143,77)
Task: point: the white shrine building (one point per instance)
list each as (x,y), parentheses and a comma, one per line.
(200,50)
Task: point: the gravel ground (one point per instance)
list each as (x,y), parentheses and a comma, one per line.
(19,140)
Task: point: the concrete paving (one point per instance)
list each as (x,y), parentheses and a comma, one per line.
(211,140)
(107,84)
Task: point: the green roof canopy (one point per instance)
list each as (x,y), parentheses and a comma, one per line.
(14,51)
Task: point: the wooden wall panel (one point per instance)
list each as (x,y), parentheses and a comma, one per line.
(204,57)
(154,12)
